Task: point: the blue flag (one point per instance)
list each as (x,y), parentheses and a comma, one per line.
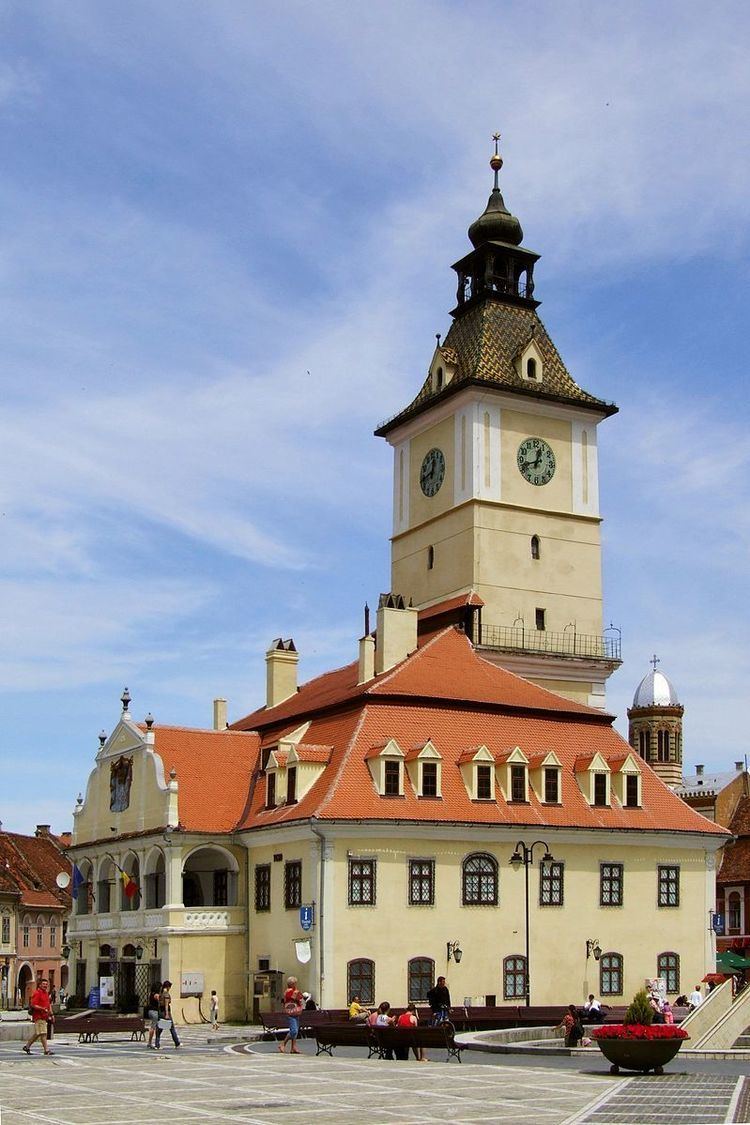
(78,881)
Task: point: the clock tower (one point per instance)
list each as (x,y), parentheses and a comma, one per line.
(495,489)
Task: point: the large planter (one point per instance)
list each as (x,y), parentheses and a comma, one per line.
(639,1054)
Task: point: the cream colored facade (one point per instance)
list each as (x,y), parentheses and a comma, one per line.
(392,932)
(475,533)
(145,840)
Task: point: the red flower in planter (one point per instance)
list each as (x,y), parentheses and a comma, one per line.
(639,1031)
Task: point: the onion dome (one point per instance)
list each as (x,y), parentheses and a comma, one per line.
(496,224)
(655,690)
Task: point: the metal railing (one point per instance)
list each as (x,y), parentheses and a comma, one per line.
(518,638)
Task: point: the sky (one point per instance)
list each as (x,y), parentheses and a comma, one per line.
(226,233)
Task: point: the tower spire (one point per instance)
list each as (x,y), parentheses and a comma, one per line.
(496,161)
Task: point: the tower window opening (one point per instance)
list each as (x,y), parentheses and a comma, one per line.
(531,368)
(540,616)
(439,379)
(662,745)
(535,547)
(430,558)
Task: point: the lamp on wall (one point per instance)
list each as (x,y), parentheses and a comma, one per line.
(140,948)
(455,951)
(66,952)
(593,947)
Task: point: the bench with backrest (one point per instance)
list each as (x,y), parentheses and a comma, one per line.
(352,1034)
(89,1028)
(442,1037)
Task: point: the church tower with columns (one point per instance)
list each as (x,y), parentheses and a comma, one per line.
(655,725)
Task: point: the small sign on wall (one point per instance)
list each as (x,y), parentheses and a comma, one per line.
(191,984)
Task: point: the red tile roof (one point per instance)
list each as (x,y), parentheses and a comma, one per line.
(30,865)
(214,769)
(449,694)
(448,606)
(735,861)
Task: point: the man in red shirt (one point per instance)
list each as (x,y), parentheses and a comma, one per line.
(41,1013)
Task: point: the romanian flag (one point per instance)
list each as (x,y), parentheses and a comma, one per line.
(129,884)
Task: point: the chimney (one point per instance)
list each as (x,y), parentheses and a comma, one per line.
(699,771)
(366,668)
(281,671)
(397,632)
(42,830)
(220,714)
(739,766)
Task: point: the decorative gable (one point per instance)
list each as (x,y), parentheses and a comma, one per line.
(513,775)
(425,769)
(545,777)
(626,781)
(530,363)
(477,767)
(442,368)
(592,773)
(385,762)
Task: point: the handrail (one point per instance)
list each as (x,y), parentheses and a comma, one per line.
(520,639)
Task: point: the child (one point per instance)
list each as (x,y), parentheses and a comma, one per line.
(214,1010)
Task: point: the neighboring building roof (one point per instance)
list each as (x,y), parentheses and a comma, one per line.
(707,784)
(30,866)
(448,693)
(213,770)
(735,861)
(487,340)
(655,690)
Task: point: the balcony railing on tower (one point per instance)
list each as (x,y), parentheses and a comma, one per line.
(518,638)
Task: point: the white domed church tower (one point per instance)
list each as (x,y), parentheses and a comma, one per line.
(655,725)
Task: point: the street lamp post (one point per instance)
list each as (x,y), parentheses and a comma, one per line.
(524,854)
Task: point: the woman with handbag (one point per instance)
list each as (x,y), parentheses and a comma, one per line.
(166,1022)
(293,1007)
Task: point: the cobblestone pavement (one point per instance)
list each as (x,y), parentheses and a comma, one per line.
(123,1083)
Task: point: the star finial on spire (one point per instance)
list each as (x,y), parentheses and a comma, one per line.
(654,660)
(496,160)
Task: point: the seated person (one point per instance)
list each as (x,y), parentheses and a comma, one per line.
(409,1019)
(356,1011)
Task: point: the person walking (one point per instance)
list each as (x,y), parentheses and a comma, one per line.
(439,999)
(166,1022)
(151,1013)
(293,1008)
(42,1015)
(214,1011)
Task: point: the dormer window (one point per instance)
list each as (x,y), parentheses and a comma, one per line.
(632,791)
(484,783)
(531,368)
(529,363)
(291,785)
(429,776)
(518,783)
(600,789)
(392,779)
(270,790)
(551,785)
(439,379)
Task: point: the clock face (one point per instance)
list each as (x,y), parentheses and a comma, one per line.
(536,461)
(432,473)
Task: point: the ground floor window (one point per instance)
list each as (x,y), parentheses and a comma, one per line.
(421,978)
(360,980)
(514,978)
(610,974)
(668,966)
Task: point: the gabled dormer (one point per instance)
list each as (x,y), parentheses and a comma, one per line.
(385,762)
(424,765)
(276,777)
(477,767)
(626,781)
(513,775)
(309,762)
(545,777)
(593,776)
(442,368)
(529,363)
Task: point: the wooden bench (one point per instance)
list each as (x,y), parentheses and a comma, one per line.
(91,1027)
(441,1037)
(328,1036)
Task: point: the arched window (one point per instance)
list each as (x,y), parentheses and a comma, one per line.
(209,878)
(480,880)
(439,379)
(734,912)
(360,980)
(155,880)
(130,880)
(430,557)
(26,932)
(668,966)
(644,744)
(610,974)
(421,976)
(531,368)
(535,547)
(83,897)
(662,745)
(514,977)
(39,931)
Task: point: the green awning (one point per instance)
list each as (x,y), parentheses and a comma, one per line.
(729,962)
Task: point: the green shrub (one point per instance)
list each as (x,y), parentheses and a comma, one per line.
(640,1011)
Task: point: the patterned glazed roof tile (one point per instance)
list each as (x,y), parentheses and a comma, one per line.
(487,340)
(213,774)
